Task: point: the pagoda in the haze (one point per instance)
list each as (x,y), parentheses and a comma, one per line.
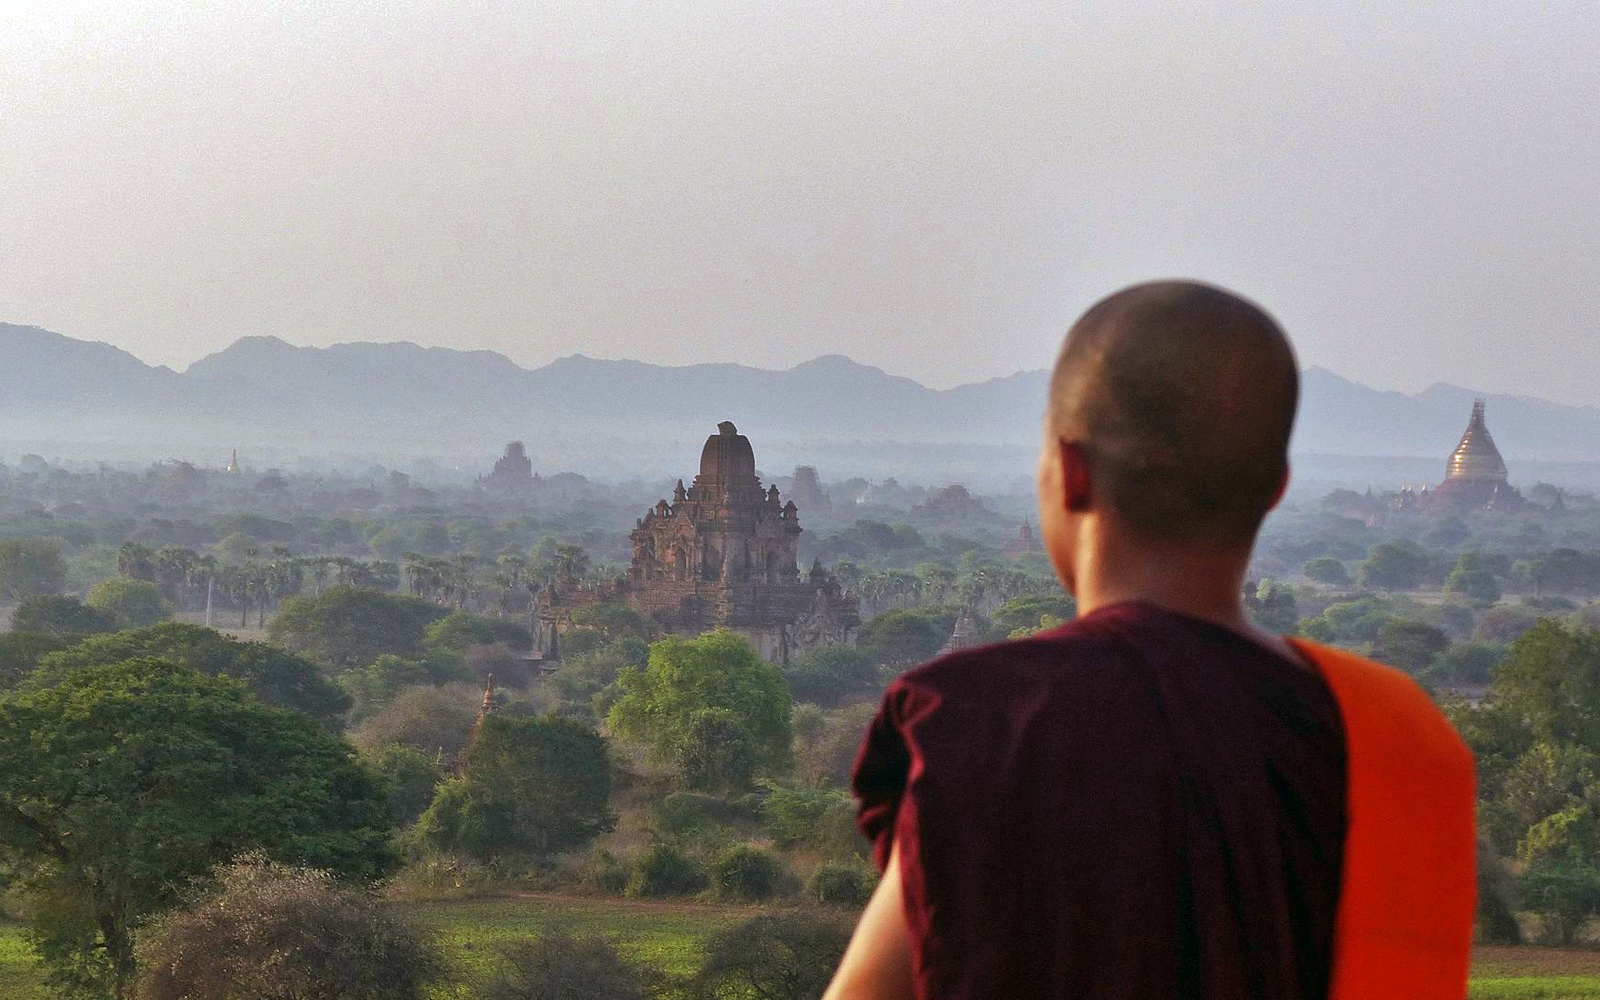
(721,553)
(1475,474)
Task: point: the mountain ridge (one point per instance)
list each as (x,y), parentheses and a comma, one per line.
(400,396)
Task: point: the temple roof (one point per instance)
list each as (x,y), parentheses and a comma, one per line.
(1476,457)
(727,458)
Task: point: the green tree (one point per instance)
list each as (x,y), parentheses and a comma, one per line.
(121,782)
(30,566)
(265,931)
(1273,607)
(348,627)
(435,721)
(1472,576)
(461,630)
(1466,663)
(131,603)
(715,753)
(411,775)
(20,653)
(1328,570)
(63,617)
(819,818)
(1028,610)
(658,704)
(536,786)
(663,870)
(374,686)
(1551,678)
(1395,566)
(1564,891)
(902,637)
(828,675)
(1410,645)
(276,676)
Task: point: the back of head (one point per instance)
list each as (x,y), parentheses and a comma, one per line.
(1182,397)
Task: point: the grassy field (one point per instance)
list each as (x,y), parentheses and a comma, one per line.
(670,935)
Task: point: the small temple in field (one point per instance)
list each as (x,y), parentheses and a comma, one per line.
(723,552)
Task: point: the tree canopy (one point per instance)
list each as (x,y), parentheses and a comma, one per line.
(352,626)
(131,603)
(658,704)
(30,566)
(534,786)
(51,614)
(121,781)
(274,675)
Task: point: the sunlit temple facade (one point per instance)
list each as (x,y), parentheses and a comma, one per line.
(721,553)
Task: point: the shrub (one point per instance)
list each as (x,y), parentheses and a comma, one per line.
(829,754)
(790,957)
(604,871)
(662,870)
(132,603)
(841,884)
(747,873)
(65,617)
(266,930)
(558,966)
(811,817)
(1565,892)
(686,812)
(433,720)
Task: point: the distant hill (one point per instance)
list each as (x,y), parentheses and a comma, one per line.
(400,398)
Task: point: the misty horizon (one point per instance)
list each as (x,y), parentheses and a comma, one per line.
(1408,191)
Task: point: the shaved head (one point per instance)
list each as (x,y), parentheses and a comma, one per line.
(1181,397)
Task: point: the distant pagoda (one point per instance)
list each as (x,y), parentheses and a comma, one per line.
(1475,474)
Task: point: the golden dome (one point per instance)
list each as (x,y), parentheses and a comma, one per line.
(1476,457)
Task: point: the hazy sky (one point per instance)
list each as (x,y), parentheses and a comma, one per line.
(937,189)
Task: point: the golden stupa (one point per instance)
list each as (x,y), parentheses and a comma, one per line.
(1475,474)
(1476,457)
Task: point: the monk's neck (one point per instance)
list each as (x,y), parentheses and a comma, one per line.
(1198,582)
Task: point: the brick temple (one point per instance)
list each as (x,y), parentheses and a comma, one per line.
(723,552)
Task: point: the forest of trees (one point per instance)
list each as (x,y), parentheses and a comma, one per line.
(319,753)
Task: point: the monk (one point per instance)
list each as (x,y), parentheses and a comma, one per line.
(1158,799)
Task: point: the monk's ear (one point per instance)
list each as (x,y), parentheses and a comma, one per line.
(1283,487)
(1075,476)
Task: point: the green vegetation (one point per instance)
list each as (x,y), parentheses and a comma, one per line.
(660,704)
(536,786)
(119,782)
(721,779)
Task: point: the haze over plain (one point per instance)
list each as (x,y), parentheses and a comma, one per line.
(931,191)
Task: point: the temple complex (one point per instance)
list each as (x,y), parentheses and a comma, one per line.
(513,470)
(1475,474)
(723,552)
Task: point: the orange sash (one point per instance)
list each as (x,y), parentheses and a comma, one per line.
(1404,923)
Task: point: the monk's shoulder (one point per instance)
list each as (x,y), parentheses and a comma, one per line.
(1383,706)
(998,668)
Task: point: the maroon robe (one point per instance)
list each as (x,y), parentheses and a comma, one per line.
(1137,804)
